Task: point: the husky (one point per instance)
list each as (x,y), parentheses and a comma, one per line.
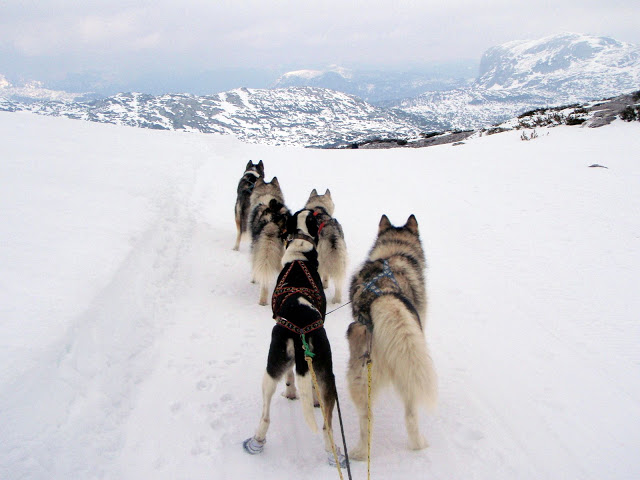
(332,249)
(299,308)
(389,305)
(267,221)
(252,172)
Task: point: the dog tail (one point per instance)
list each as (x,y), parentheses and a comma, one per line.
(400,349)
(305,388)
(267,254)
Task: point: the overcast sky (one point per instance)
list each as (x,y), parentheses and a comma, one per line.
(126,39)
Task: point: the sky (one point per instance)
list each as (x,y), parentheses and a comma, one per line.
(182,43)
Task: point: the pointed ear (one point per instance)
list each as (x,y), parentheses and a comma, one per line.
(274,181)
(261,168)
(313,193)
(384,224)
(412,224)
(327,193)
(249,165)
(260,164)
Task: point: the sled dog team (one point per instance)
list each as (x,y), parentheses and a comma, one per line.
(306,250)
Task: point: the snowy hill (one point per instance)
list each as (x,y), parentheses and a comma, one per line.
(132,345)
(522,75)
(289,116)
(381,87)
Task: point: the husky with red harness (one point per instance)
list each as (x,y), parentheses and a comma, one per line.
(299,308)
(332,249)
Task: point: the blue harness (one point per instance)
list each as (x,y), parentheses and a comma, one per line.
(372,286)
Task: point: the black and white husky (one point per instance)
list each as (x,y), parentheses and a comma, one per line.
(267,221)
(252,172)
(389,306)
(332,249)
(299,307)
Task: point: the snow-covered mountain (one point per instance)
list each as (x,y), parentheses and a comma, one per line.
(289,116)
(380,87)
(521,75)
(34,91)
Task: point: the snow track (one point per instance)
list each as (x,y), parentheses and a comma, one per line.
(132,345)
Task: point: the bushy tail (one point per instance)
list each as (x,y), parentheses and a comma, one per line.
(305,388)
(399,351)
(267,254)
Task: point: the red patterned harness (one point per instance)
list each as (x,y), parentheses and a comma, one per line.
(311,292)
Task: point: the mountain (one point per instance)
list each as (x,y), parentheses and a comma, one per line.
(34,91)
(381,87)
(303,116)
(522,75)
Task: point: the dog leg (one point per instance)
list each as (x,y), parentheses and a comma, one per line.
(357,377)
(264,293)
(416,440)
(290,392)
(239,236)
(268,389)
(337,284)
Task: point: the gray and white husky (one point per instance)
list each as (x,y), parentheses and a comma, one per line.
(267,221)
(252,172)
(389,305)
(332,249)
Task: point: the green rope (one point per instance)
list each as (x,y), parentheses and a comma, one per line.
(307,350)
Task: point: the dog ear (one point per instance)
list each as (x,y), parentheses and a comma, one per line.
(274,181)
(261,168)
(384,224)
(328,193)
(313,193)
(249,165)
(412,224)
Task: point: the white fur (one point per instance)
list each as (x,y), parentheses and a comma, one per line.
(399,357)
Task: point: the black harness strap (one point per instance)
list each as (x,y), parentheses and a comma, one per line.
(295,329)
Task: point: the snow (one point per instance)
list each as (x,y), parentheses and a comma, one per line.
(132,345)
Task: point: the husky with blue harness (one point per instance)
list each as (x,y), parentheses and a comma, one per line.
(389,303)
(299,339)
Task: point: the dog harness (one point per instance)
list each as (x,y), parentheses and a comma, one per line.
(372,285)
(311,292)
(321,211)
(364,316)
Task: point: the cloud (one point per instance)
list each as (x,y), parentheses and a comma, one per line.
(201,34)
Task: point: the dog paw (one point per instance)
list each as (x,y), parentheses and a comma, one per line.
(341,458)
(291,395)
(253,446)
(359,453)
(418,443)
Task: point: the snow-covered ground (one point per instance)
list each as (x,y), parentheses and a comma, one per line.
(132,345)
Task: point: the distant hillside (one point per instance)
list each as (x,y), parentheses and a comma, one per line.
(302,116)
(522,75)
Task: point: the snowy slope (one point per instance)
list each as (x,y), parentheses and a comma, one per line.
(132,345)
